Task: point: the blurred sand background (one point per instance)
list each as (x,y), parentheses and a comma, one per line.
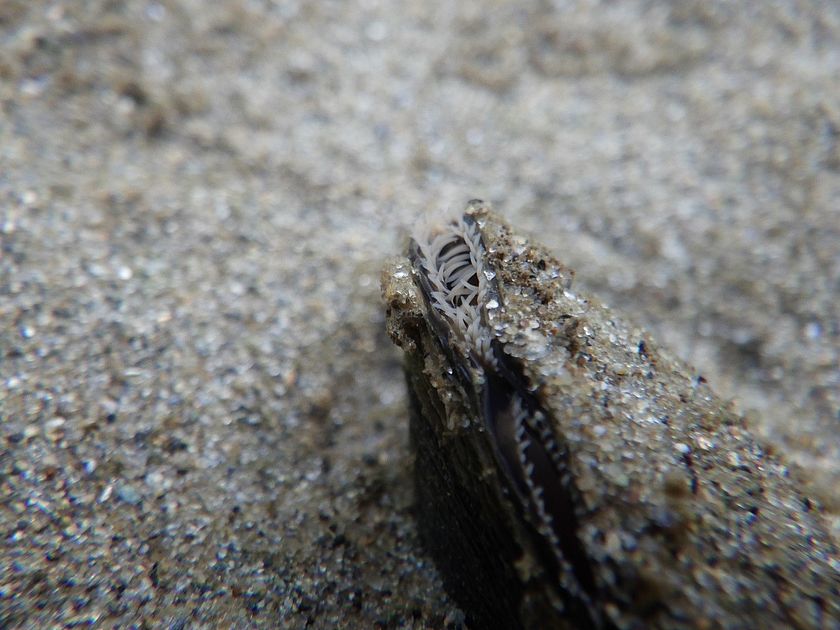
(203,422)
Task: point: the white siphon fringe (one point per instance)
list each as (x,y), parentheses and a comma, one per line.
(452,259)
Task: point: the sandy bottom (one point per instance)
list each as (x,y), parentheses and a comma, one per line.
(203,421)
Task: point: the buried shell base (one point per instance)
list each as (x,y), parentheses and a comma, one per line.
(460,511)
(570,473)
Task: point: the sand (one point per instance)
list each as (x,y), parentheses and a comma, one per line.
(203,421)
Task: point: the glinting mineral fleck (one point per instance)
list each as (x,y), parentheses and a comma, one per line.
(572,474)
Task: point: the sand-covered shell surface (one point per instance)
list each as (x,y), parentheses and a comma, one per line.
(572,474)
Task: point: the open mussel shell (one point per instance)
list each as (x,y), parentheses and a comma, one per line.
(572,474)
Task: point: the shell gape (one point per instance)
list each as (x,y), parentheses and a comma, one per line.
(451,258)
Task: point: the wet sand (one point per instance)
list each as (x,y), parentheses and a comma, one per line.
(203,421)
